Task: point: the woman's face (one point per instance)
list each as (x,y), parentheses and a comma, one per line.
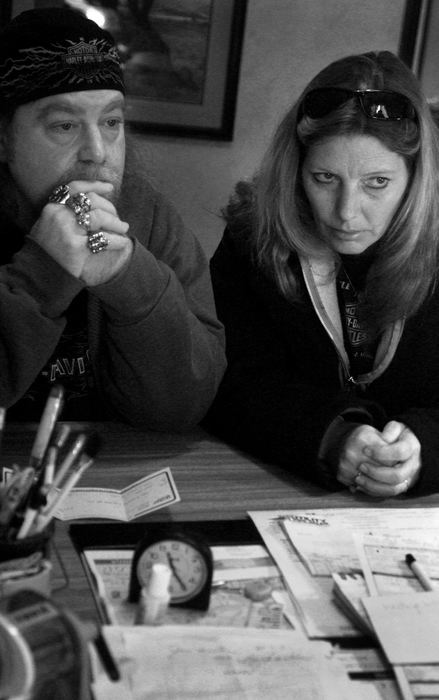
(354,185)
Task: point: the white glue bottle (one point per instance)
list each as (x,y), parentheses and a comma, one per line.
(154,598)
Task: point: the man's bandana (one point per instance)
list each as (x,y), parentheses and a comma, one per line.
(53,50)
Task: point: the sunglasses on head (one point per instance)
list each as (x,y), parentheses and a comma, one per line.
(384,105)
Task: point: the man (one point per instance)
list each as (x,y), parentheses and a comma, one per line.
(101,288)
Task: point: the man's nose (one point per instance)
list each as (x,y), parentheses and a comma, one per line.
(92,145)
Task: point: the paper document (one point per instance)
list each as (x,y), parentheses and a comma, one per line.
(407,626)
(170,663)
(154,491)
(382,557)
(310,545)
(234,567)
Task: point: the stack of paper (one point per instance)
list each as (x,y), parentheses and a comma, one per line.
(362,554)
(349,590)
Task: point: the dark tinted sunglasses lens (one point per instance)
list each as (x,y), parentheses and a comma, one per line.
(319,103)
(387,105)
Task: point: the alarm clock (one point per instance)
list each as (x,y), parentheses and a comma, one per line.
(187,555)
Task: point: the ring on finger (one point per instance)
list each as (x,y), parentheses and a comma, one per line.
(97,241)
(60,195)
(405,484)
(83,219)
(79,203)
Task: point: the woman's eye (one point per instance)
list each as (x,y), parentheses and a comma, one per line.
(323,177)
(378,182)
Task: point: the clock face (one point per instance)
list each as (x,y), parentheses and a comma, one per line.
(188,566)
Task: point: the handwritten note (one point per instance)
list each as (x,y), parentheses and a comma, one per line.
(144,496)
(407,626)
(174,662)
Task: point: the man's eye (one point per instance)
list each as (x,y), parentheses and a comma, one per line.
(114,122)
(63,126)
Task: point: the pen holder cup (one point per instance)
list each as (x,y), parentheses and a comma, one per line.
(24,564)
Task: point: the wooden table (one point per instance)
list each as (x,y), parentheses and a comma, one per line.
(214,480)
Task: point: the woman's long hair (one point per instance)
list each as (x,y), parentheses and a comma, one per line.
(275,209)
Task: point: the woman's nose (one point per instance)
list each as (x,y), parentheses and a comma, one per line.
(348,203)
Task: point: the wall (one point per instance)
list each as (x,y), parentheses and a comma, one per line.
(286,42)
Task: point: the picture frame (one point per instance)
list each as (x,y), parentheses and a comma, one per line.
(181,60)
(419,47)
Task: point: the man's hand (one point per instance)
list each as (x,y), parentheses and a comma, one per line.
(381,464)
(58,232)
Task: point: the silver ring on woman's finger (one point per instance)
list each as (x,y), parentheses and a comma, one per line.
(405,483)
(60,195)
(83,219)
(97,241)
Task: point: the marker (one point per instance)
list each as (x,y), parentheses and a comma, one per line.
(90,449)
(49,417)
(419,572)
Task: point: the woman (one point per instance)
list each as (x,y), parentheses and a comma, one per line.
(325,280)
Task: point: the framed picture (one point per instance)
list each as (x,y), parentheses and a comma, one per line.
(419,45)
(180,58)
(181,61)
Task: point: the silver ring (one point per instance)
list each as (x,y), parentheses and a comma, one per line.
(60,195)
(97,241)
(79,203)
(83,219)
(405,483)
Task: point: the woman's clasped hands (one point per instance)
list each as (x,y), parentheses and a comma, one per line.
(382,464)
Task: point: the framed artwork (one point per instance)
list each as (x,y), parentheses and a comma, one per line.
(181,61)
(419,45)
(180,58)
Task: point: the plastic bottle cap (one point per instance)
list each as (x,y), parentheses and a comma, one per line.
(158,584)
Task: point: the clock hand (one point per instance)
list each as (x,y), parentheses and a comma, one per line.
(174,571)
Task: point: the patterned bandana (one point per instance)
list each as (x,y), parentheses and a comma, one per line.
(54,50)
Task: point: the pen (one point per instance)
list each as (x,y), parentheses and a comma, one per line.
(37,501)
(90,449)
(49,417)
(419,572)
(106,657)
(55,445)
(69,459)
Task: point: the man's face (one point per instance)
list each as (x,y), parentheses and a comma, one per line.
(71,136)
